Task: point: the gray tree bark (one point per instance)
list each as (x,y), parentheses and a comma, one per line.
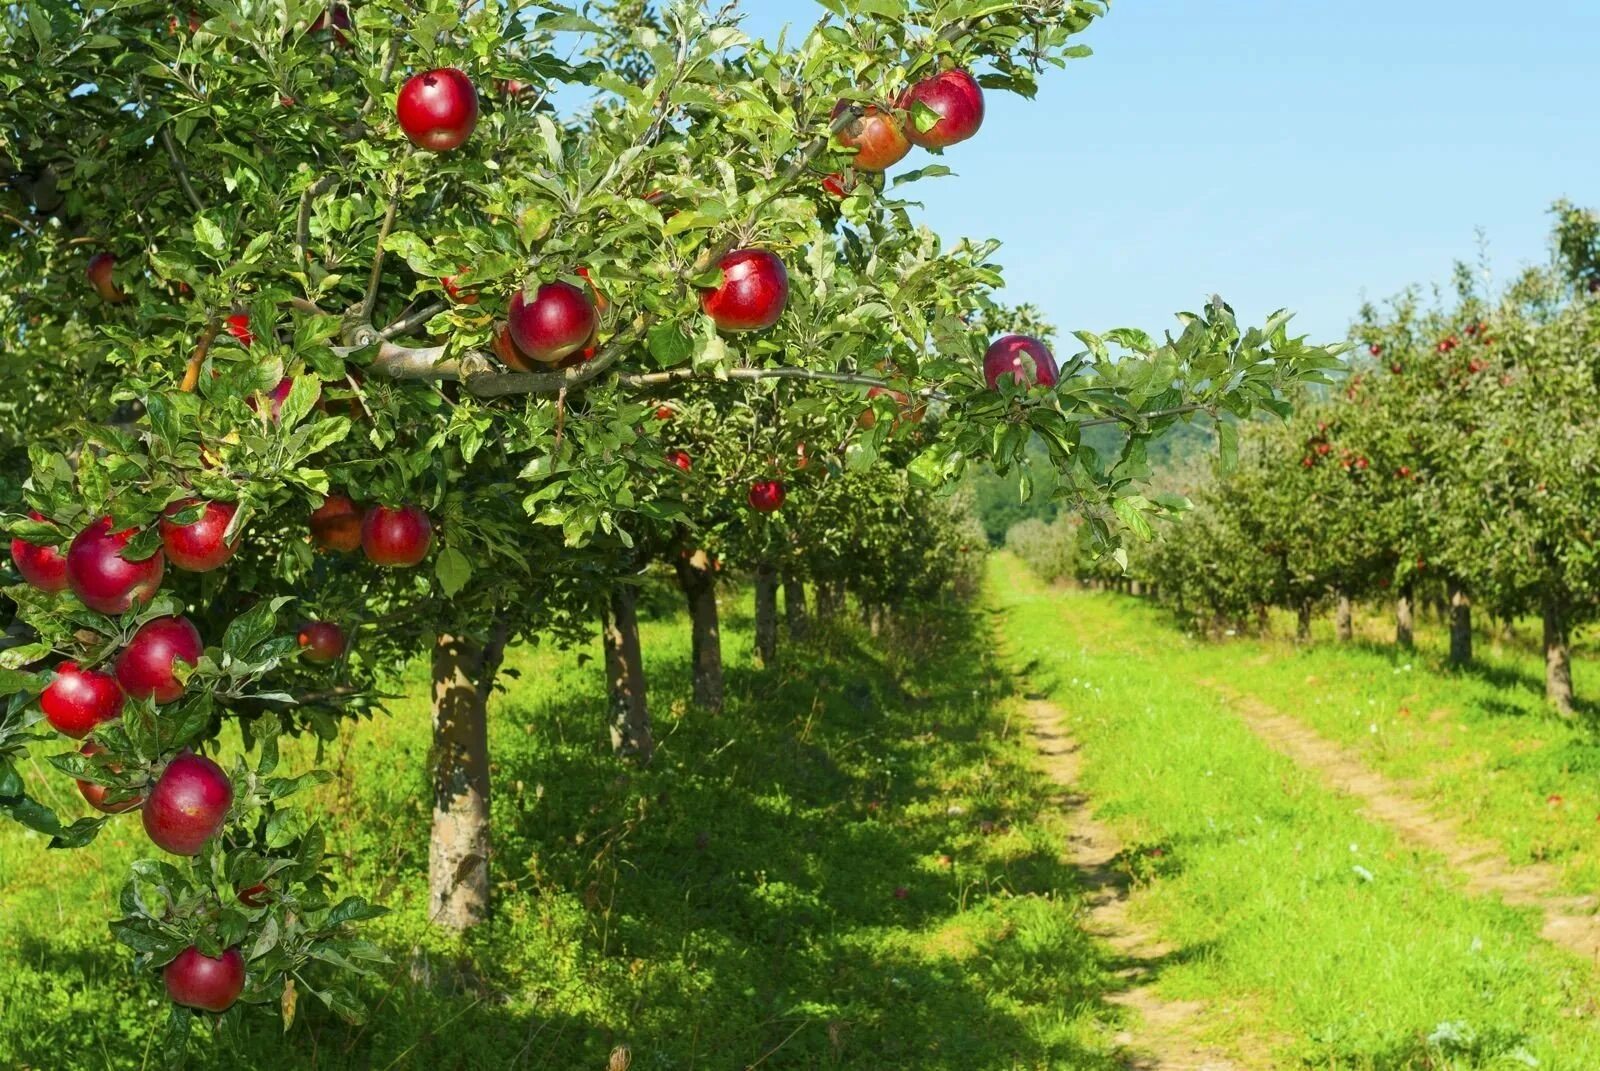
(1460,624)
(699,585)
(1405,619)
(1557,656)
(767,614)
(631,735)
(1344,619)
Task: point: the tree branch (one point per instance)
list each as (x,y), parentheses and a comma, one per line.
(377,260)
(191,374)
(182,172)
(412,320)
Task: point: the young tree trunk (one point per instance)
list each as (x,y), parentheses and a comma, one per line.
(1263,618)
(631,736)
(458,854)
(794,605)
(1302,622)
(1460,624)
(1344,619)
(1135,588)
(1557,658)
(827,605)
(767,614)
(699,585)
(1404,618)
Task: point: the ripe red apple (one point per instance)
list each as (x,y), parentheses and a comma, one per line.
(43,567)
(1026,360)
(663,412)
(878,138)
(188,804)
(105,580)
(99,275)
(77,700)
(454,290)
(1375,349)
(680,459)
(198,547)
(398,537)
(507,351)
(754,290)
(238,325)
(336,524)
(195,980)
(321,642)
(96,794)
(557,323)
(275,397)
(146,667)
(957,99)
(766,496)
(438,109)
(837,185)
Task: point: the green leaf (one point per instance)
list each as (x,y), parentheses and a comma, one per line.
(210,237)
(454,569)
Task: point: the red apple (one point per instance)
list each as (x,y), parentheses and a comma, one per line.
(146,667)
(1026,360)
(77,700)
(195,980)
(879,140)
(238,325)
(454,290)
(187,805)
(663,412)
(336,524)
(438,109)
(754,290)
(957,99)
(99,275)
(507,351)
(198,547)
(275,397)
(399,537)
(321,642)
(96,794)
(558,322)
(680,459)
(43,567)
(766,496)
(105,580)
(837,185)
(902,401)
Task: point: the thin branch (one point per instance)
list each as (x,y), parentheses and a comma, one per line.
(306,305)
(854,379)
(365,315)
(182,172)
(412,320)
(389,60)
(191,374)
(1143,418)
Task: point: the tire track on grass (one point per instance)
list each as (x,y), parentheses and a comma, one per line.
(1168,1038)
(1571,922)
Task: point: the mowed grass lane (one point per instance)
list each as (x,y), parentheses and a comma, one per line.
(734,905)
(1335,938)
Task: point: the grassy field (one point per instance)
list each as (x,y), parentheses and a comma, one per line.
(734,906)
(1331,939)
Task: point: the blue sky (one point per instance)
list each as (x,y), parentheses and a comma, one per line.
(1298,153)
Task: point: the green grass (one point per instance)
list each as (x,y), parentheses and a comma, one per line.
(1313,926)
(732,906)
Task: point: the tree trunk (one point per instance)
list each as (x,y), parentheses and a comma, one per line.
(631,737)
(1135,588)
(794,606)
(699,585)
(767,614)
(1302,622)
(1344,619)
(1557,659)
(827,606)
(458,854)
(1460,624)
(1404,618)
(1263,618)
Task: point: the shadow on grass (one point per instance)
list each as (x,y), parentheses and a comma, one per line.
(845,869)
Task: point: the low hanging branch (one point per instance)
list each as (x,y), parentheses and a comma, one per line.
(402,362)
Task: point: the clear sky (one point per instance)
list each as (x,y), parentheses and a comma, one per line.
(1305,154)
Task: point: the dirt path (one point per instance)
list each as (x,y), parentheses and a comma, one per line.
(1569,921)
(1166,1029)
